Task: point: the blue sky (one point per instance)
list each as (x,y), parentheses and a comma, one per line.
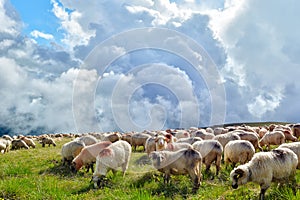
(69,66)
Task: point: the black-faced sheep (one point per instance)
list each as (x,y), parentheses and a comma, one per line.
(88,154)
(238,151)
(185,161)
(211,152)
(278,165)
(111,158)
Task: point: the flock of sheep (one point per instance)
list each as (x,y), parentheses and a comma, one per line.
(180,152)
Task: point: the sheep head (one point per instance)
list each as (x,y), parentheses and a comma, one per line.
(239,176)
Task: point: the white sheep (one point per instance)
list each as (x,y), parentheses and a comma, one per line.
(111,158)
(160,143)
(226,137)
(272,138)
(203,134)
(238,151)
(211,152)
(5,145)
(276,165)
(295,147)
(70,150)
(87,140)
(174,146)
(189,140)
(2,147)
(185,161)
(249,136)
(88,154)
(182,134)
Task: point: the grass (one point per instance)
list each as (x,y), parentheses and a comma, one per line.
(38,174)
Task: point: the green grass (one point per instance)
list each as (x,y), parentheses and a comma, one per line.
(38,174)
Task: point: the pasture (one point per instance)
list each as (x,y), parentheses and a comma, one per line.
(38,174)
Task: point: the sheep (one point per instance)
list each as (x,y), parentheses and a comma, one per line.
(249,136)
(220,130)
(28,141)
(150,145)
(265,167)
(139,139)
(5,144)
(211,151)
(18,144)
(87,155)
(226,137)
(204,135)
(7,137)
(287,133)
(47,140)
(70,150)
(295,147)
(238,151)
(189,140)
(160,143)
(127,137)
(174,146)
(182,134)
(87,140)
(272,138)
(110,158)
(185,161)
(2,147)
(296,130)
(112,137)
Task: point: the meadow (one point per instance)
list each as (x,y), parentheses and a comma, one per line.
(39,174)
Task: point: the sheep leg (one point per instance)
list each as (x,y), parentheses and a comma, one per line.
(263,191)
(195,179)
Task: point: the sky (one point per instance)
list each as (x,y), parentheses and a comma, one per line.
(98,66)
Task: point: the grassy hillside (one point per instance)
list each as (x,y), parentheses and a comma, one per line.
(38,174)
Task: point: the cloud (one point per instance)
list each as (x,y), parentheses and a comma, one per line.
(38,34)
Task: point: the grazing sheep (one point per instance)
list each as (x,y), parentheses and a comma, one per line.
(226,137)
(87,140)
(47,140)
(278,165)
(174,146)
(189,140)
(272,138)
(112,137)
(28,141)
(88,155)
(139,139)
(18,144)
(211,151)
(262,132)
(287,134)
(295,147)
(238,151)
(110,158)
(185,161)
(70,150)
(127,137)
(249,136)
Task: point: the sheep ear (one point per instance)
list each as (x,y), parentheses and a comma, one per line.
(240,172)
